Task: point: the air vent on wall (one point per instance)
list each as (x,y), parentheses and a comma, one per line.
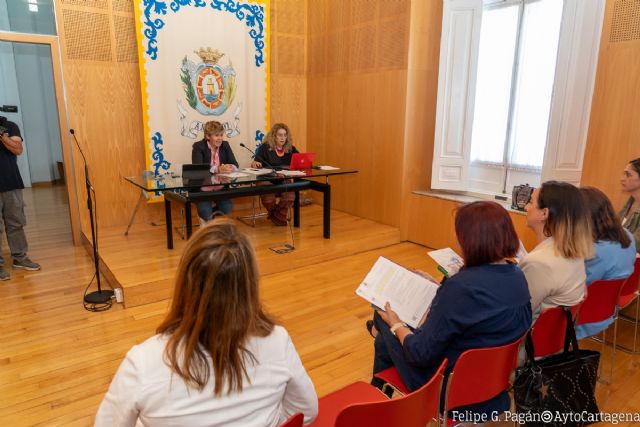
(125,31)
(625,24)
(87,35)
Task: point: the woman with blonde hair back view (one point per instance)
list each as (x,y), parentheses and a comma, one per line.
(554,269)
(218,359)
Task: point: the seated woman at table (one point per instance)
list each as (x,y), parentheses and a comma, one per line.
(213,151)
(275,152)
(614,247)
(630,213)
(218,358)
(559,217)
(485,304)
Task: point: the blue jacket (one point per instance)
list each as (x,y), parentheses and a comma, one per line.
(481,306)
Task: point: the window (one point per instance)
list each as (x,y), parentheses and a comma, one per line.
(514,92)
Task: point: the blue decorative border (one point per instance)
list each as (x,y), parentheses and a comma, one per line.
(253,15)
(158,155)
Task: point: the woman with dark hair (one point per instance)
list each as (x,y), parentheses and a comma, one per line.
(555,272)
(614,248)
(218,358)
(276,151)
(485,304)
(630,213)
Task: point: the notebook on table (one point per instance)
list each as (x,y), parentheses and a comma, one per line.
(301,161)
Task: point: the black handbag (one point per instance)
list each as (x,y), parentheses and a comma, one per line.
(558,390)
(520,196)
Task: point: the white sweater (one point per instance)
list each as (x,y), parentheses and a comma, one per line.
(145,392)
(553,280)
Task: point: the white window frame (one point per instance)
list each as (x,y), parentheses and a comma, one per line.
(576,65)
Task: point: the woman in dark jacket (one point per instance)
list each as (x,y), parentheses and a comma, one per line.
(486,304)
(213,151)
(275,152)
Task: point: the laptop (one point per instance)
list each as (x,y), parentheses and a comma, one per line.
(196,171)
(302,161)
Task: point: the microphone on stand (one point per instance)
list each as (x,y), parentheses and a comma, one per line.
(254,155)
(100,297)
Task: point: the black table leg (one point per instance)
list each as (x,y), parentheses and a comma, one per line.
(326,212)
(296,210)
(187,212)
(167,216)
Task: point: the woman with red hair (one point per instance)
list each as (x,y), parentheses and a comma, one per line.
(485,304)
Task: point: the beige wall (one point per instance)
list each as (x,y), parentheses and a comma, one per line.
(356,81)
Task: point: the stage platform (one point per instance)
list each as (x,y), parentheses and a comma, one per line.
(144,268)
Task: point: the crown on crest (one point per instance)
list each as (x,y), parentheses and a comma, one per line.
(208,55)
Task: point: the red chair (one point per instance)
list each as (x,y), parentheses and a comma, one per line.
(363,405)
(548,332)
(599,305)
(296,420)
(628,294)
(392,378)
(479,375)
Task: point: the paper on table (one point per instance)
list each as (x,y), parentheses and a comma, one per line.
(328,168)
(254,171)
(233,174)
(409,293)
(448,259)
(291,173)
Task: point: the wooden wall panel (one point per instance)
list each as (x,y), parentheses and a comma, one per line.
(432,223)
(356,100)
(288,67)
(614,128)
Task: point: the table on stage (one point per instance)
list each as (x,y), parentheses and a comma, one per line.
(188,191)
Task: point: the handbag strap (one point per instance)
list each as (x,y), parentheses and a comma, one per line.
(570,334)
(570,339)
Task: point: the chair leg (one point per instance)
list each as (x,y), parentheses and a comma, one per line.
(635,325)
(600,368)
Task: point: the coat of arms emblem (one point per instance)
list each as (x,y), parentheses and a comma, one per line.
(208,87)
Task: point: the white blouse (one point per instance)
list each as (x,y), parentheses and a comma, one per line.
(145,392)
(553,280)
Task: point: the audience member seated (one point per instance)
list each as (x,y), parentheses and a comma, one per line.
(275,152)
(485,304)
(214,151)
(555,271)
(614,247)
(630,213)
(218,358)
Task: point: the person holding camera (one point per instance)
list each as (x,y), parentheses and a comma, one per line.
(11,202)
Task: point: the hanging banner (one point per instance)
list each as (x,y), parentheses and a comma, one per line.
(201,61)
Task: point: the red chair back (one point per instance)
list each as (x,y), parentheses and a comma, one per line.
(630,288)
(416,409)
(296,420)
(601,301)
(548,332)
(481,374)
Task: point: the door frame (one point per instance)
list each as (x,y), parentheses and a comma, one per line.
(63,119)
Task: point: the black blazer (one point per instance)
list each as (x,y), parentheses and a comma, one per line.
(201,153)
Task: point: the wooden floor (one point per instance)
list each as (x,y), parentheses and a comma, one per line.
(143,266)
(56,359)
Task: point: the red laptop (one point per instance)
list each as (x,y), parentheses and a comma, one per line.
(302,161)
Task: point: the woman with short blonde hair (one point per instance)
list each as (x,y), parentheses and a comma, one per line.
(217,358)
